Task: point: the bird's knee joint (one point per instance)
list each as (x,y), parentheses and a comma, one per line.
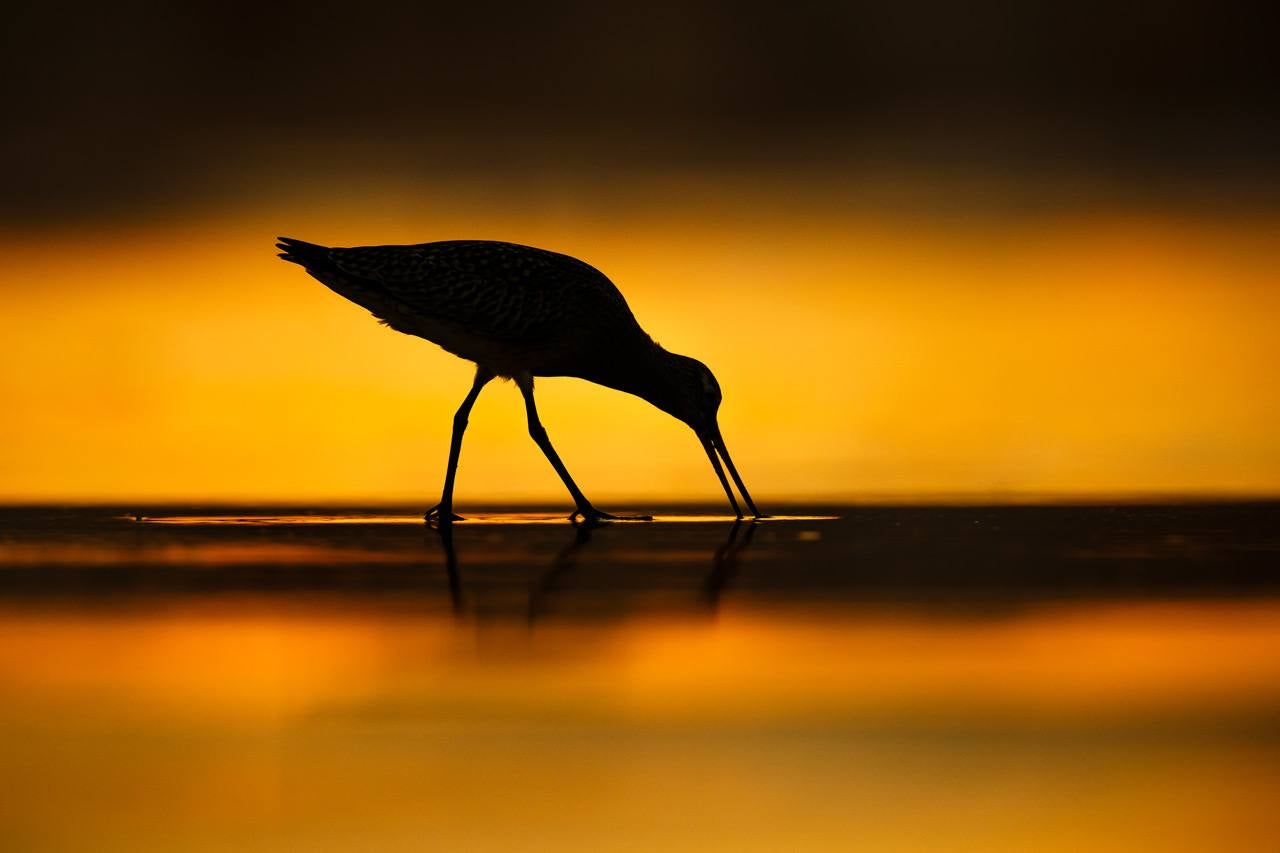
(537,432)
(459,420)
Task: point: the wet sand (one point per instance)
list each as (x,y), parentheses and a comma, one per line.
(887,678)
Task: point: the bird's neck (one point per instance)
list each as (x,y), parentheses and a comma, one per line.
(644,370)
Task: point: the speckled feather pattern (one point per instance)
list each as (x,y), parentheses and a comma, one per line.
(507,306)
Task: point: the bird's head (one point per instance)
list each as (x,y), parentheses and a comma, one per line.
(692,395)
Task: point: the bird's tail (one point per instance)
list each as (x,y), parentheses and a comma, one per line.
(301,252)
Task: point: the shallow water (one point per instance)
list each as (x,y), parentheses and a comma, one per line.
(887,678)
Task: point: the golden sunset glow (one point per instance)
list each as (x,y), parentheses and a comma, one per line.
(1066,665)
(217,728)
(978,553)
(1095,353)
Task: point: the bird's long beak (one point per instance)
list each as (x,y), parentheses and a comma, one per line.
(713,443)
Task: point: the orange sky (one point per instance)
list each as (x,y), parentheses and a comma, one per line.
(860,356)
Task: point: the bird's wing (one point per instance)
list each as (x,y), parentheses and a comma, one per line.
(502,291)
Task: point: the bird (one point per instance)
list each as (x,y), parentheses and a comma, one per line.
(520,312)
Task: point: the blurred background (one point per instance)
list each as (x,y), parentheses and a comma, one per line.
(930,249)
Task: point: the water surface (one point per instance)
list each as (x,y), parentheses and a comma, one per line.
(889,678)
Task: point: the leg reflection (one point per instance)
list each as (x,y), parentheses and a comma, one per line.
(564,561)
(724,565)
(445,531)
(553,580)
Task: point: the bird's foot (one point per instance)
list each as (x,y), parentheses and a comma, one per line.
(436,515)
(589,515)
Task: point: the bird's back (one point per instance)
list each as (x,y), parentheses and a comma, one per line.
(507,306)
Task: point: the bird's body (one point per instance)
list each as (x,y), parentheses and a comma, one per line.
(519,312)
(510,308)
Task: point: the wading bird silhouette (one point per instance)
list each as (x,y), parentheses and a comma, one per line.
(520,312)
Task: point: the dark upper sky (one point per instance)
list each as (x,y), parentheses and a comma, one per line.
(126,106)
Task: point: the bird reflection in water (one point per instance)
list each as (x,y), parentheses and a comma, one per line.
(563,563)
(724,567)
(445,532)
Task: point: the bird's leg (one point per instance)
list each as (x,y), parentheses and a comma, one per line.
(443,511)
(539,434)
